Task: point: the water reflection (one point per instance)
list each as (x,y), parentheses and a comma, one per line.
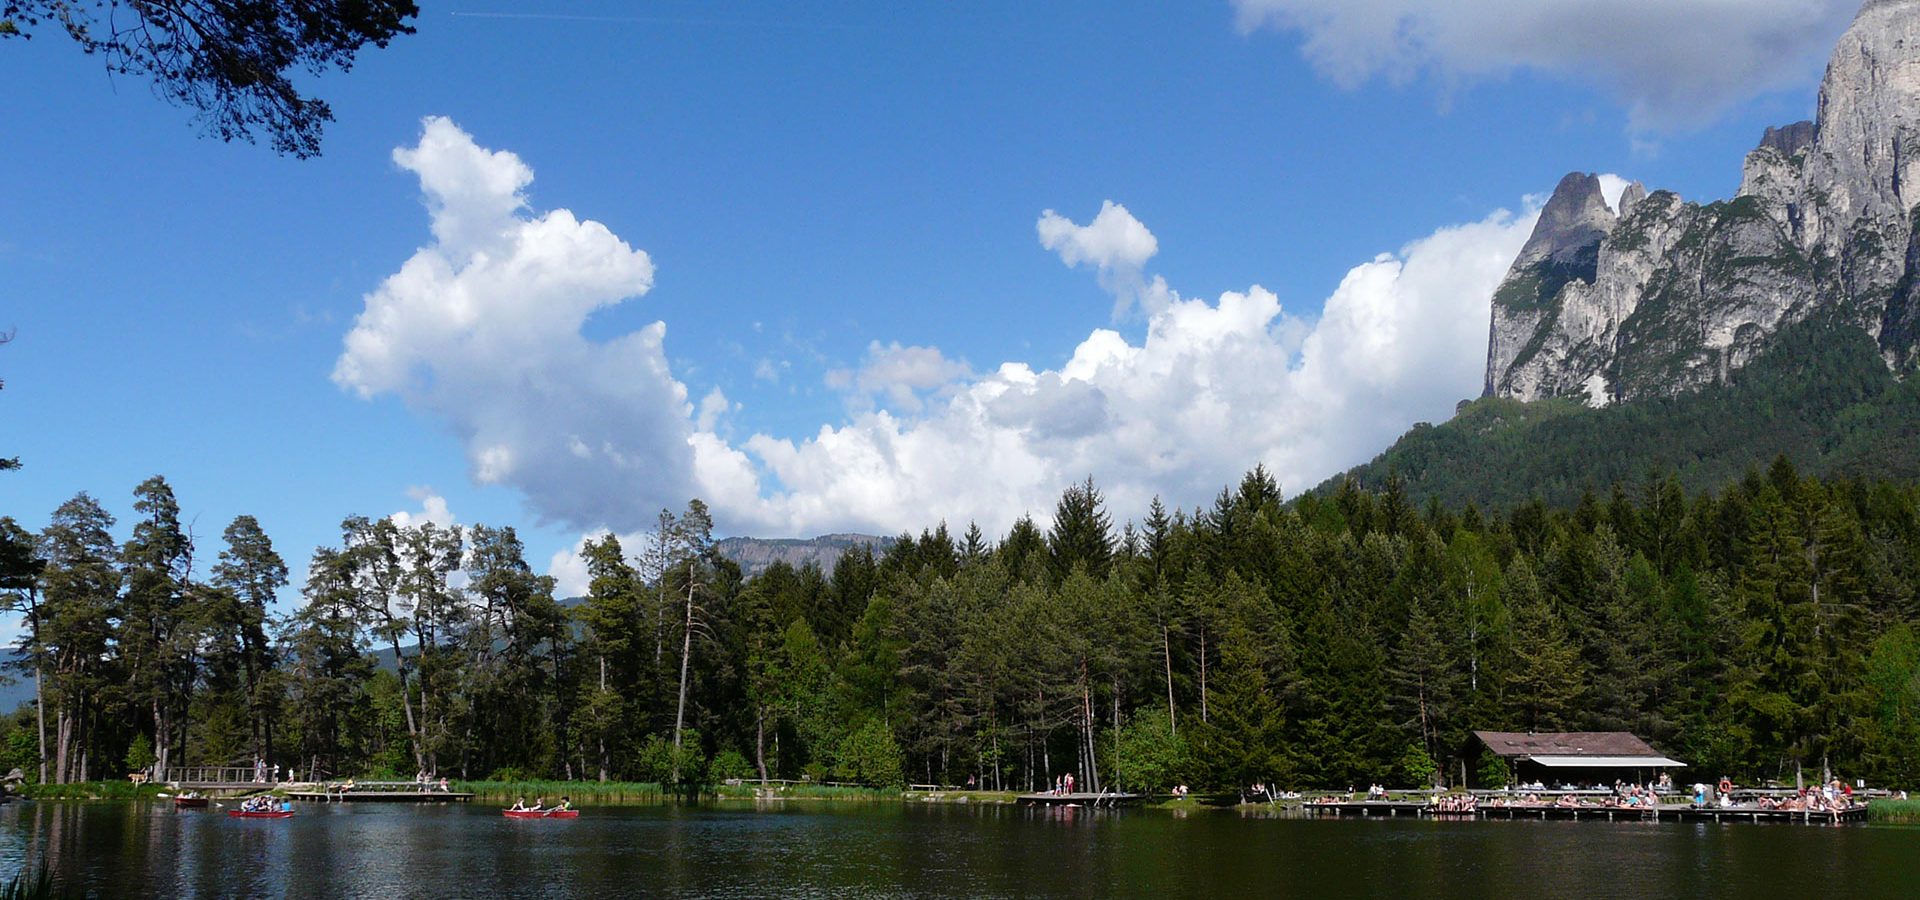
(887,850)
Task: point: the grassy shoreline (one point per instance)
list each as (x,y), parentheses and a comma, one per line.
(1894,812)
(642,793)
(93,790)
(618,793)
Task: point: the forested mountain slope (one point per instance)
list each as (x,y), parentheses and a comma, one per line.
(1823,396)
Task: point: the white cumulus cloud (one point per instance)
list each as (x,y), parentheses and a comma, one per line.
(433,508)
(1675,63)
(897,374)
(1118,246)
(1212,389)
(481,331)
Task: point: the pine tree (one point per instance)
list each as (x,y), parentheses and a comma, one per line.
(80,600)
(155,633)
(253,574)
(21,567)
(1082,533)
(1239,744)
(1544,683)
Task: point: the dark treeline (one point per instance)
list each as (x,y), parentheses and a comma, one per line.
(1326,641)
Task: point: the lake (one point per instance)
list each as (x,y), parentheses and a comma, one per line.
(900,850)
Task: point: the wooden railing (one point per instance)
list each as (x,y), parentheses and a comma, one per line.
(217,775)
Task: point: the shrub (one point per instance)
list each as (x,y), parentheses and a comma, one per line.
(729,764)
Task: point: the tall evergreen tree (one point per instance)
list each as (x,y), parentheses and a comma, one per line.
(155,633)
(253,574)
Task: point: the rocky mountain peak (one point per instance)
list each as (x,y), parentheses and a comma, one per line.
(1879,5)
(1631,198)
(1670,296)
(1790,140)
(1574,219)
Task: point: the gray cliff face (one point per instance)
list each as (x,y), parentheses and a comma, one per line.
(1574,219)
(1669,296)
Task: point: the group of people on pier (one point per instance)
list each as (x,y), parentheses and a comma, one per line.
(1454,804)
(1063,785)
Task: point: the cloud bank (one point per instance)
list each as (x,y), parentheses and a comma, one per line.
(481,331)
(1675,63)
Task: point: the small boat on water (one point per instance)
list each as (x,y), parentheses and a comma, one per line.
(541,813)
(260,814)
(189,803)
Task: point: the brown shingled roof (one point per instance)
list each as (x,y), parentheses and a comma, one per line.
(1564,743)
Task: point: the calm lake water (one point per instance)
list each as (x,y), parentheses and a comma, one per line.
(891,850)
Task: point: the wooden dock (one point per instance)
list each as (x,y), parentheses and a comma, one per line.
(381,796)
(1668,813)
(378,792)
(1104,799)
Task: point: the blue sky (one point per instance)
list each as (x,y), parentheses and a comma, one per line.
(841,210)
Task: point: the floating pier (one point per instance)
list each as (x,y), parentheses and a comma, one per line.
(379,792)
(1669,813)
(1079,799)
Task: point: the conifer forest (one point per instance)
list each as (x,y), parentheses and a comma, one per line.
(1340,637)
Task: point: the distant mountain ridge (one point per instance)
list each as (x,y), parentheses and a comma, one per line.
(754,555)
(1661,296)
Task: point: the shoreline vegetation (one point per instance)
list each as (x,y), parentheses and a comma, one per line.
(594,793)
(1320,641)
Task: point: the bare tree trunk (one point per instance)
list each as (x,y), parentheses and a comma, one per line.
(602,731)
(63,728)
(406,700)
(1046,760)
(1116,732)
(1203,674)
(40,717)
(760,744)
(163,741)
(686,654)
(1086,715)
(1166,647)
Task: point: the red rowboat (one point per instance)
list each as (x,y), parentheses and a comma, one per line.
(243,814)
(189,802)
(541,813)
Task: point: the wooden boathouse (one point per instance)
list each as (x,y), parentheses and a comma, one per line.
(1557,759)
